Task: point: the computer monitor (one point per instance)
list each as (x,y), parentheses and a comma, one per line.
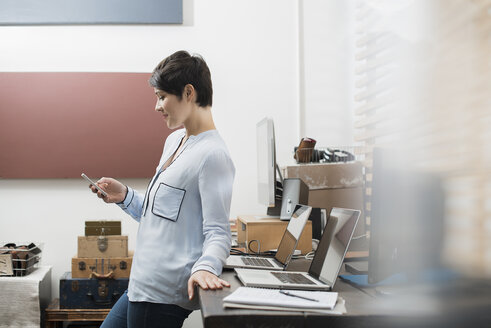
(278,194)
(406,222)
(269,188)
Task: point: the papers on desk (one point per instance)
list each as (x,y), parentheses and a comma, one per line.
(272,299)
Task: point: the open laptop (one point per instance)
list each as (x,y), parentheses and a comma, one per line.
(286,248)
(326,264)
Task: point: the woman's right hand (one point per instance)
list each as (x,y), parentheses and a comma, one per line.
(115,190)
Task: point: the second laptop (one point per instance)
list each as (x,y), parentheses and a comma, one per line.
(286,248)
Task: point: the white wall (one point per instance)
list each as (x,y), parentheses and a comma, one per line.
(326,80)
(266,59)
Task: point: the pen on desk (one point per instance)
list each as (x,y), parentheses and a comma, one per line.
(284,292)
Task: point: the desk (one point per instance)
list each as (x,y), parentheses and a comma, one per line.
(56,316)
(460,303)
(358,305)
(23,298)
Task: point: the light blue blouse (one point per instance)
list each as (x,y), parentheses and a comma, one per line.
(184,219)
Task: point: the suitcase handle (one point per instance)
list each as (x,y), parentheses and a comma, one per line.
(109,275)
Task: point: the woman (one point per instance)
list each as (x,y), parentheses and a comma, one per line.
(184,236)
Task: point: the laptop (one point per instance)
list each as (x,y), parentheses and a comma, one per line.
(326,264)
(286,248)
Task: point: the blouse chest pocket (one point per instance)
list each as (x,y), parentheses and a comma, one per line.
(167,202)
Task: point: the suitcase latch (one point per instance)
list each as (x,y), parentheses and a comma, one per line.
(75,286)
(102,243)
(122,265)
(102,289)
(81,265)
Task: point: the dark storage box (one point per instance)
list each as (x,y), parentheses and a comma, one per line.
(83,293)
(102,228)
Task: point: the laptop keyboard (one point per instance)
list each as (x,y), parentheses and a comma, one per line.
(254,261)
(292,278)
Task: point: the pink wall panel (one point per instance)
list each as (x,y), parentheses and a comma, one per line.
(57,125)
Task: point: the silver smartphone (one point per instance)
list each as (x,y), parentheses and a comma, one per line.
(94,184)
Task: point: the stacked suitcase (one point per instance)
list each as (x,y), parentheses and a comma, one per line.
(100,271)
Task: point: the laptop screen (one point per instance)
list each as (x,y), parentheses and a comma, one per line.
(292,234)
(333,245)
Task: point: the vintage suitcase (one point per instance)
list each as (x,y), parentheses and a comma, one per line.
(83,293)
(116,267)
(102,246)
(102,228)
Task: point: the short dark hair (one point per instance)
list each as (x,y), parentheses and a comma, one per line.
(173,73)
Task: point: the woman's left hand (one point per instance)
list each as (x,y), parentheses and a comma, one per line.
(206,280)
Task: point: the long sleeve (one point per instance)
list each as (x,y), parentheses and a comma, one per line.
(216,179)
(133,204)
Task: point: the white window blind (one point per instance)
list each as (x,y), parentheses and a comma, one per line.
(423,84)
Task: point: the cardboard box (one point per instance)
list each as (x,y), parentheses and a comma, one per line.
(90,246)
(334,185)
(319,176)
(269,232)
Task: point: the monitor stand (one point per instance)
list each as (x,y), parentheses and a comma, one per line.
(276,210)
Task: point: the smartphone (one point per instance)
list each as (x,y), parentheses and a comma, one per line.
(93,183)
